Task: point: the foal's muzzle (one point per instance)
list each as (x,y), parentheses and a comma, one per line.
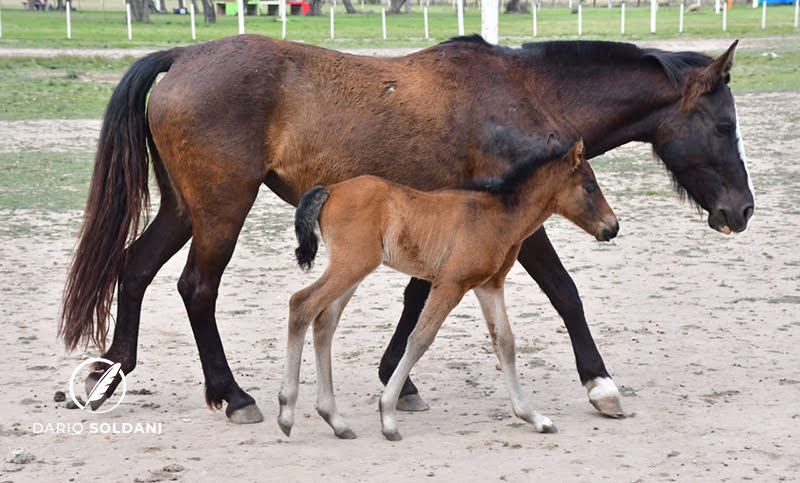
(608,232)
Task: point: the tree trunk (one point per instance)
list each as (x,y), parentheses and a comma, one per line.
(181,4)
(349,7)
(316,7)
(209,14)
(140,10)
(396,5)
(516,6)
(162,6)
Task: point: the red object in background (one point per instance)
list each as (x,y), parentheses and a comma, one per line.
(301,5)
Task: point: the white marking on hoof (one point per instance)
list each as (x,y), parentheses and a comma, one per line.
(247,415)
(543,424)
(412,403)
(604,396)
(601,388)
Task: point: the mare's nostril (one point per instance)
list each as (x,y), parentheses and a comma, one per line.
(748,212)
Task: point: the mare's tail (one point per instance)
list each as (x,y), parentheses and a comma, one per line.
(305,223)
(118,196)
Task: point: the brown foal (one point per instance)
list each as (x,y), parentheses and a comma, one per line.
(459,239)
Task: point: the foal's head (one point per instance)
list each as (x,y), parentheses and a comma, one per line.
(579,198)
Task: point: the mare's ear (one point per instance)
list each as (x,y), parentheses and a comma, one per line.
(576,155)
(708,78)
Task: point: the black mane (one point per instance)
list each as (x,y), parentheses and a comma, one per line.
(673,64)
(507,184)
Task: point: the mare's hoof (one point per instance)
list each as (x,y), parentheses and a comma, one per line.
(392,435)
(91,381)
(346,434)
(412,403)
(609,407)
(246,415)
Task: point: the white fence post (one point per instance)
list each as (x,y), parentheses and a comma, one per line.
(191,19)
(460,7)
(725,16)
(764,14)
(622,19)
(1,23)
(383,22)
(580,20)
(755,3)
(653,6)
(128,14)
(716,7)
(332,9)
(796,7)
(535,8)
(570,4)
(69,21)
(241,16)
(680,19)
(489,19)
(425,14)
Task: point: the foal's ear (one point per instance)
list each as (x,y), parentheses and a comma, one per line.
(576,155)
(708,78)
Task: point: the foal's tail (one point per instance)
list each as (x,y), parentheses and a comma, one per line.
(118,196)
(305,222)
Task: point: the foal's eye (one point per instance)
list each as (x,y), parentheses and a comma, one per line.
(725,128)
(590,188)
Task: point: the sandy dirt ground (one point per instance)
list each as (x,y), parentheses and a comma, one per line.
(700,331)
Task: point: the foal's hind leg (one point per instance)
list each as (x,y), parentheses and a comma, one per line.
(324,327)
(442,299)
(305,306)
(167,233)
(494,310)
(215,229)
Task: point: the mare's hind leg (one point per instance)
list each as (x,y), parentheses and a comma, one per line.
(490,297)
(324,327)
(443,298)
(167,233)
(215,228)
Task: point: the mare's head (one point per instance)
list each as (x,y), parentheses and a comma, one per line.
(698,140)
(579,198)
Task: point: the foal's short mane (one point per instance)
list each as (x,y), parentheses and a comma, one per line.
(507,184)
(673,64)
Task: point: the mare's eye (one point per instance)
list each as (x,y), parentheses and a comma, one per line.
(725,128)
(590,188)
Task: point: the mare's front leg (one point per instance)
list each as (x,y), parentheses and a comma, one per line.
(442,300)
(542,263)
(490,297)
(413,300)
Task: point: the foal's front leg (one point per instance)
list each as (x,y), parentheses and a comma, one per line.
(490,297)
(442,299)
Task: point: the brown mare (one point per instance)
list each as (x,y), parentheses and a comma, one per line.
(456,239)
(292,116)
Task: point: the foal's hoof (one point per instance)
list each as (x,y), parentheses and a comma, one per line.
(609,407)
(548,428)
(412,403)
(286,428)
(91,381)
(246,415)
(346,434)
(392,435)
